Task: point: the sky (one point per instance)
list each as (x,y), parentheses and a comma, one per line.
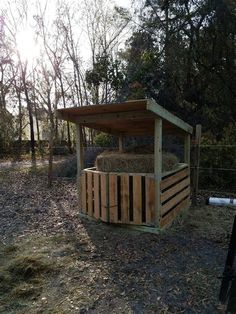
(25,40)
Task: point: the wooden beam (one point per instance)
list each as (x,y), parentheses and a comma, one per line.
(93,118)
(158,168)
(166,115)
(80,162)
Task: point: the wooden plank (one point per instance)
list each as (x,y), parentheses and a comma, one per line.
(117,116)
(170,216)
(90,193)
(150,201)
(125,198)
(96,196)
(174,189)
(137,200)
(104,198)
(113,205)
(103,108)
(165,183)
(166,115)
(83,195)
(158,167)
(167,206)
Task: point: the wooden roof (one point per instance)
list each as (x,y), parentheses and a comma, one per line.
(136,117)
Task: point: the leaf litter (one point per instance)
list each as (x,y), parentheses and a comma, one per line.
(51,261)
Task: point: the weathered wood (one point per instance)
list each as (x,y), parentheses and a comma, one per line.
(175,200)
(104,198)
(113,202)
(90,193)
(171,216)
(96,196)
(165,183)
(129,118)
(150,201)
(125,198)
(166,115)
(196,162)
(137,200)
(158,167)
(175,189)
(83,196)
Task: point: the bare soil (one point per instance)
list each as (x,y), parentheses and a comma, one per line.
(51,261)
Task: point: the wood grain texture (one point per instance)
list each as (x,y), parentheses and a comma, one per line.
(113,205)
(175,189)
(125,198)
(165,183)
(171,203)
(90,193)
(150,201)
(96,196)
(137,200)
(104,198)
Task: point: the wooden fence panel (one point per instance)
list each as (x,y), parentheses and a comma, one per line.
(150,201)
(90,192)
(104,197)
(97,208)
(113,199)
(124,198)
(137,199)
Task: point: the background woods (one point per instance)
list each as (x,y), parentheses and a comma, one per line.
(63,54)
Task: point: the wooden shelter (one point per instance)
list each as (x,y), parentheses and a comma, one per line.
(139,199)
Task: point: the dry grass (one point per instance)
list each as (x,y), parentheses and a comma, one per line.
(110,161)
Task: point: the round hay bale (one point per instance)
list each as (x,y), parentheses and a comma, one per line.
(133,163)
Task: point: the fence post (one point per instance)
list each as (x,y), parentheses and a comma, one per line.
(196,162)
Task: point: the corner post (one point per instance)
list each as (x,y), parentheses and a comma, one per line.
(80,161)
(158,168)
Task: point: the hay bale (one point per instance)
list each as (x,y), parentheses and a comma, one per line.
(133,163)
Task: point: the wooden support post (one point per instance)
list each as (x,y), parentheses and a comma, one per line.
(80,161)
(121,144)
(187,149)
(196,162)
(158,168)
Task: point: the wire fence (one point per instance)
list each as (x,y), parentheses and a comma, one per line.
(217,169)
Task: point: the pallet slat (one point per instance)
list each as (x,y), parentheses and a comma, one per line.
(170,216)
(150,203)
(104,198)
(165,183)
(175,189)
(171,203)
(137,200)
(113,202)
(90,193)
(96,196)
(125,198)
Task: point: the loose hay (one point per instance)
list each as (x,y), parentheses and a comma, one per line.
(110,161)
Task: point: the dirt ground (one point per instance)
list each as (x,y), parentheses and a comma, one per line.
(51,261)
